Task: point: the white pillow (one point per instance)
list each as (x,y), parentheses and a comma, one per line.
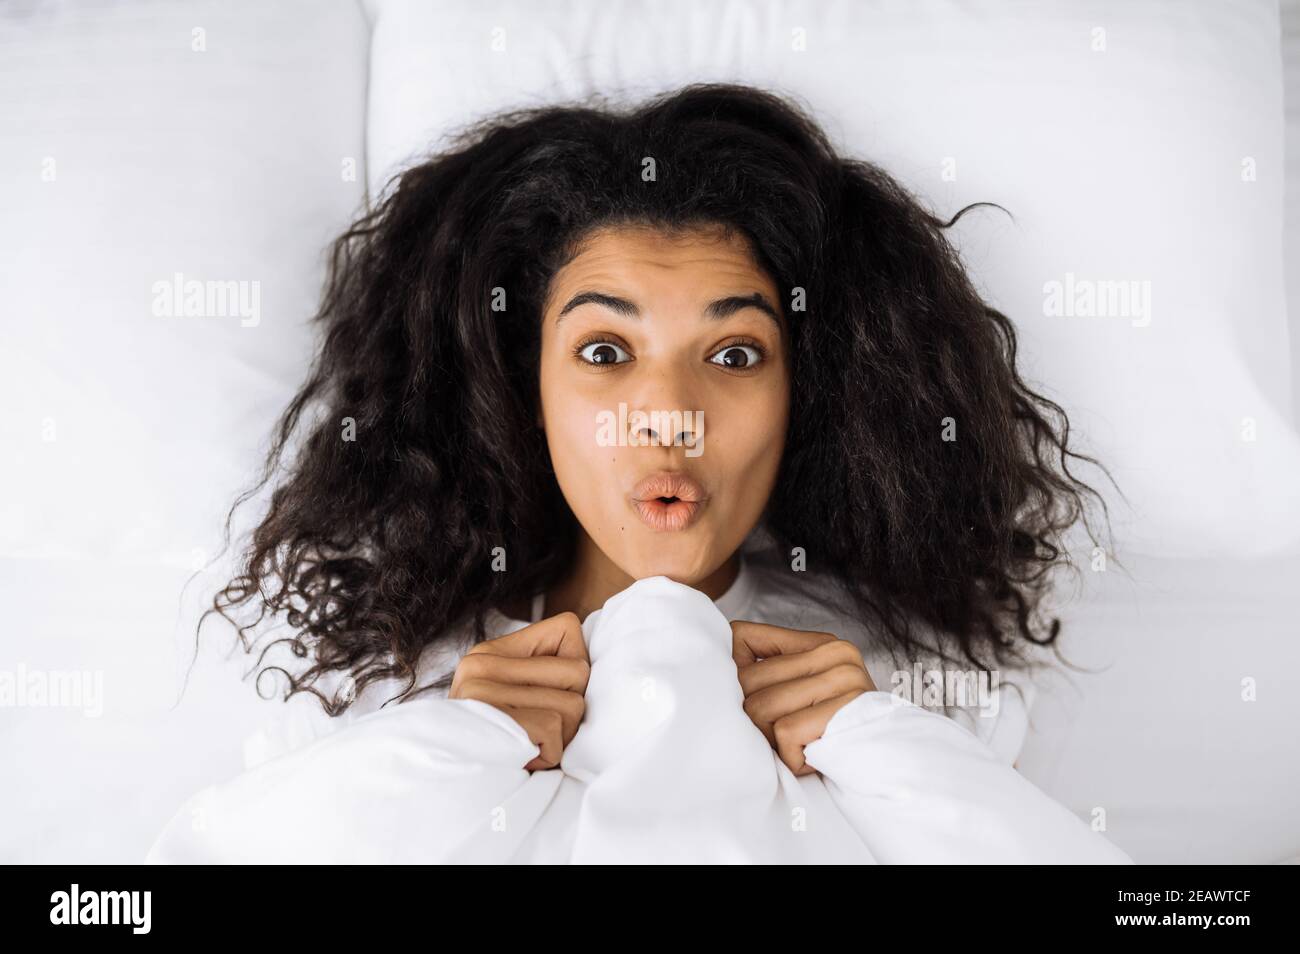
(129,155)
(126,156)
(1183,729)
(1122,137)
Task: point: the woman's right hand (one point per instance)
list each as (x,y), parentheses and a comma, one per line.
(536,675)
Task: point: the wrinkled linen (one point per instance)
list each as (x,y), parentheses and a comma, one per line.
(666,767)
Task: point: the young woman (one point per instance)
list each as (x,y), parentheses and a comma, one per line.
(597,363)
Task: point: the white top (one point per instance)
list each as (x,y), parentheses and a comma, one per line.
(666,767)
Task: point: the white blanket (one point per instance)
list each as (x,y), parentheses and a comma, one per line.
(666,767)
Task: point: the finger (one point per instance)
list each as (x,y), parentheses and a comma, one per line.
(545,730)
(805,726)
(558,635)
(752,641)
(569,705)
(778,669)
(769,705)
(555,672)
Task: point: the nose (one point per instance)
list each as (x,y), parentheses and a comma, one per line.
(670,412)
(679,424)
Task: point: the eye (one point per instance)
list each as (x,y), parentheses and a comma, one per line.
(739,356)
(601,351)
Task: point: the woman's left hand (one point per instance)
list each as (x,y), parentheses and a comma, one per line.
(794,682)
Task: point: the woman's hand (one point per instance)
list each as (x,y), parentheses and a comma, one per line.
(794,681)
(538,676)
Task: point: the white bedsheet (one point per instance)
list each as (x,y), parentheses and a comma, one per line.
(666,767)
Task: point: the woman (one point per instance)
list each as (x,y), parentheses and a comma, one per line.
(597,363)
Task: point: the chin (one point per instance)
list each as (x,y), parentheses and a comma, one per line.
(682,562)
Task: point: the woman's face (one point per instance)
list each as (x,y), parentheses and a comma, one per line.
(664,355)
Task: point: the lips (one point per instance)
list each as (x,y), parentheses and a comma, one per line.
(667,483)
(668,500)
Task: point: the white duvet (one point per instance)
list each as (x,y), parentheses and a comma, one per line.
(665,767)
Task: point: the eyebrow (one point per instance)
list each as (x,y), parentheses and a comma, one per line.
(714,311)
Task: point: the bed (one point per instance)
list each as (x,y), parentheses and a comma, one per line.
(1139,140)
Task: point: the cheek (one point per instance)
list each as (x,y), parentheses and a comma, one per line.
(570,418)
(749,439)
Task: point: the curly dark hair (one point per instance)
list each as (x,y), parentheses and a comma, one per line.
(373,549)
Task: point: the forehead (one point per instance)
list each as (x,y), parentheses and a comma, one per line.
(648,261)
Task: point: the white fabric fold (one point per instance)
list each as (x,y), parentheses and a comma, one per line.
(666,767)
